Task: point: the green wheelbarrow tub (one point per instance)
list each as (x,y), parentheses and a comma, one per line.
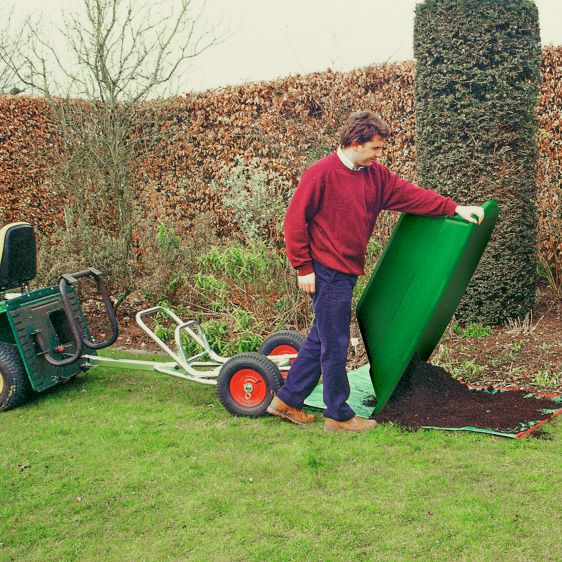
(415,290)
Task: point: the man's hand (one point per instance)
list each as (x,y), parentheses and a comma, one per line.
(467,212)
(307,283)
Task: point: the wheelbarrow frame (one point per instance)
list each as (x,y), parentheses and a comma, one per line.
(183,367)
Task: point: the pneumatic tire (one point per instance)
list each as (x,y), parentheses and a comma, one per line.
(281,343)
(14,383)
(247,383)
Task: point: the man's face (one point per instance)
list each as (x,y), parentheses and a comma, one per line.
(367,153)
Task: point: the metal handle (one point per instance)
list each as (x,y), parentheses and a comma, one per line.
(72,279)
(40,339)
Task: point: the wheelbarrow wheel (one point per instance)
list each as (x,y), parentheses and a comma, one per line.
(246,384)
(14,384)
(283,343)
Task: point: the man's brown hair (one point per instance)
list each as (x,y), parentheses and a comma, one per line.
(362,126)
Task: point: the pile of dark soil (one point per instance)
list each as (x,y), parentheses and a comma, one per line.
(428,395)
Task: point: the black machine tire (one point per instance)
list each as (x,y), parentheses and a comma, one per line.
(14,384)
(246,384)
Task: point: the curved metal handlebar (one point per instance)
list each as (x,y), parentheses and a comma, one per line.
(72,279)
(80,339)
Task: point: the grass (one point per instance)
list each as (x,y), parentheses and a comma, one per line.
(118,465)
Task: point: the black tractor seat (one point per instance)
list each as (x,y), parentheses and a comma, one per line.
(18,255)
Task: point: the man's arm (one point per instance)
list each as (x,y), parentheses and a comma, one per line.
(302,208)
(401,195)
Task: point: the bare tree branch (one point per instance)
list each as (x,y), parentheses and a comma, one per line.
(7,77)
(117,54)
(117,51)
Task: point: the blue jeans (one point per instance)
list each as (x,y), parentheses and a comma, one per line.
(325,349)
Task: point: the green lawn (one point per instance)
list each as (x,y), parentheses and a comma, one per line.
(118,465)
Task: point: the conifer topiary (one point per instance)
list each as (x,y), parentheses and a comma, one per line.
(477,83)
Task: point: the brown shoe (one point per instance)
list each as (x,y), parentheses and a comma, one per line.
(354,424)
(279,408)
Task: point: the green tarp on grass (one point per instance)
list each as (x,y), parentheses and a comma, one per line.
(362,391)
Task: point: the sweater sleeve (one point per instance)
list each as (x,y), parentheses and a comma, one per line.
(400,195)
(302,208)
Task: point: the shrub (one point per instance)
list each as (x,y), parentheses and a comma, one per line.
(236,279)
(257,200)
(478,70)
(79,246)
(549,166)
(242,294)
(473,330)
(168,263)
(285,124)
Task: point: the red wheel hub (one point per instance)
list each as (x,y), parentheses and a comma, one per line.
(284,349)
(248,388)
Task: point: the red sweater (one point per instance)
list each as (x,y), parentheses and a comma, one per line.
(333,212)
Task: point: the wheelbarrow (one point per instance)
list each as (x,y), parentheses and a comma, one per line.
(415,289)
(413,293)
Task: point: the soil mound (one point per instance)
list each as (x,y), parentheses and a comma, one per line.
(428,395)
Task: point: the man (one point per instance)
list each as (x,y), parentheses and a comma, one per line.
(327,228)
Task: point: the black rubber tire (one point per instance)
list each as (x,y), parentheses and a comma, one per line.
(286,337)
(266,372)
(15,384)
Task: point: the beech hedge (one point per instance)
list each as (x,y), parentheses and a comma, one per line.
(285,124)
